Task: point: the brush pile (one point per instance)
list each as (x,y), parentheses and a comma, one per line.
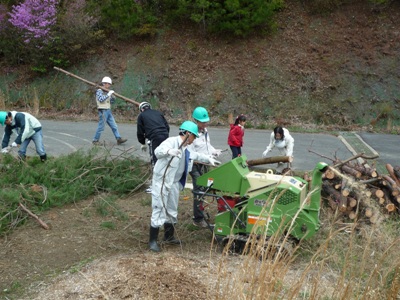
(357,191)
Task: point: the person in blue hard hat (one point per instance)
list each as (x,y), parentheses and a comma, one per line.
(201,145)
(169,176)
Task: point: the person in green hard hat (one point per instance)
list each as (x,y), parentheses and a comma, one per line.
(169,176)
(201,145)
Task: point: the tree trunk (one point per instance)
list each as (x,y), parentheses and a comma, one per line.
(269,160)
(336,196)
(351,171)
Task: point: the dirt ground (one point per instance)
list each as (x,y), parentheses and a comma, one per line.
(80,257)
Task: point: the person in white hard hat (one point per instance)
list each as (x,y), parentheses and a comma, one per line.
(104,99)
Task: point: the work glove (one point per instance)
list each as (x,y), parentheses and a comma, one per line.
(110,93)
(14,144)
(144,148)
(265,153)
(216,152)
(175,153)
(212,161)
(4,150)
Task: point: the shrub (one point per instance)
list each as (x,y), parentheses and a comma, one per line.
(44,33)
(230,16)
(126,18)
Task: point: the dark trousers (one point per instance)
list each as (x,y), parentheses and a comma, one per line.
(236,151)
(154,143)
(197,171)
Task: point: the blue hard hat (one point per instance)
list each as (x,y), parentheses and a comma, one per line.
(191,127)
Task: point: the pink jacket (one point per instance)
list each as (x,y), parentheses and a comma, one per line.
(235,137)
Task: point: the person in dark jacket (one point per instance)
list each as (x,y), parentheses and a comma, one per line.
(27,128)
(151,125)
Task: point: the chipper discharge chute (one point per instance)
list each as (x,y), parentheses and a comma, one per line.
(262,204)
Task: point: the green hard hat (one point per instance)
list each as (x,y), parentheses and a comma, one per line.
(191,127)
(3,116)
(200,114)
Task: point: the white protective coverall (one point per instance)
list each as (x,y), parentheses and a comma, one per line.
(284,146)
(169,178)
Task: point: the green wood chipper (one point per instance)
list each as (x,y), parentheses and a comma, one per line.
(252,203)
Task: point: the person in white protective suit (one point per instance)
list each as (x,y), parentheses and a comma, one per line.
(282,140)
(169,176)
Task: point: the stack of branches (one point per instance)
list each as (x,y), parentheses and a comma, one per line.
(357,191)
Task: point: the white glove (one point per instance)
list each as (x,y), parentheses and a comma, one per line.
(4,150)
(14,144)
(265,153)
(144,148)
(212,161)
(175,152)
(110,93)
(217,152)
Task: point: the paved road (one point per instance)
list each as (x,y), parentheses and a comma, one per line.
(386,145)
(65,137)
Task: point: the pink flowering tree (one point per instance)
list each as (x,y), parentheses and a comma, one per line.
(35,19)
(47,33)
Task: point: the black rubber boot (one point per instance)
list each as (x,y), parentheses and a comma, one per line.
(43,158)
(153,239)
(169,235)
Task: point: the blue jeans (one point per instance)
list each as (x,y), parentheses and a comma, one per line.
(37,138)
(105,116)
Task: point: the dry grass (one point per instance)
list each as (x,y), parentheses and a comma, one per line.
(2,100)
(343,261)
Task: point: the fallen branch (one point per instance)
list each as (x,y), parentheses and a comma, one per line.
(355,157)
(309,150)
(43,224)
(390,169)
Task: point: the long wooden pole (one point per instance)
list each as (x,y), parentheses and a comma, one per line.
(96,85)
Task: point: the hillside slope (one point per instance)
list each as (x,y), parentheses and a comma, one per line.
(339,69)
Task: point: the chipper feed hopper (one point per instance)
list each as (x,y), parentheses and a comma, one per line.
(251,202)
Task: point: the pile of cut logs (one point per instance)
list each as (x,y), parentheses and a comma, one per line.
(357,191)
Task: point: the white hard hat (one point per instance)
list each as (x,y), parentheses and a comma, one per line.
(107,80)
(144,105)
